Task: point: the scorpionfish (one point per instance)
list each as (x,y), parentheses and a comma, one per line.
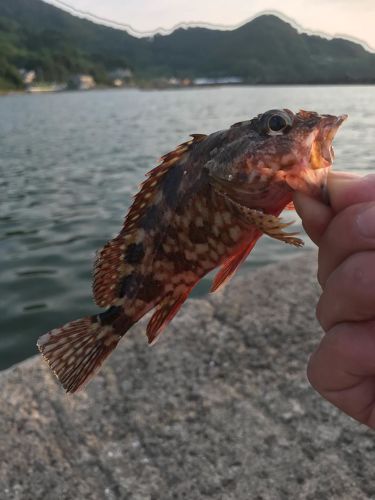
(204,206)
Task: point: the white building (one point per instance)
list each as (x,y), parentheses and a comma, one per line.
(82,82)
(121,76)
(28,76)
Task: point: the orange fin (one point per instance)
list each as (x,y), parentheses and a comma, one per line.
(76,351)
(163,315)
(230,266)
(290,206)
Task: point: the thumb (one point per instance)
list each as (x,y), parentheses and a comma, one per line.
(345,189)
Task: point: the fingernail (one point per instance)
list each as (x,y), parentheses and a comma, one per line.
(340,182)
(342,175)
(366,222)
(341,179)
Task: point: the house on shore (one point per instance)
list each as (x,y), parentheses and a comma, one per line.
(121,77)
(28,76)
(81,82)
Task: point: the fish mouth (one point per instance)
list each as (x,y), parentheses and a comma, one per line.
(322,152)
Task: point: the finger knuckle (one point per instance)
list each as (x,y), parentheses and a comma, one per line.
(358,271)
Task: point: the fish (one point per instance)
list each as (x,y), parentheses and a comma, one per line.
(203,207)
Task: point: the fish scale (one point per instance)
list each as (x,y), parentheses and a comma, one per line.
(204,207)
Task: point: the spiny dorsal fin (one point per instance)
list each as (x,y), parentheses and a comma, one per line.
(154,178)
(109,267)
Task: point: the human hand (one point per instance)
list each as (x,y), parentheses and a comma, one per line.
(342,369)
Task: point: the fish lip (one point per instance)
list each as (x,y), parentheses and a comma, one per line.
(322,152)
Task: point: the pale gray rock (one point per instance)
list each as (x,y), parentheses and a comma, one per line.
(220,408)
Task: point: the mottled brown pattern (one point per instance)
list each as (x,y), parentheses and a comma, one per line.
(150,289)
(129,285)
(122,323)
(144,213)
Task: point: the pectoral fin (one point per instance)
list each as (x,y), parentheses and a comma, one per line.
(273,227)
(268,224)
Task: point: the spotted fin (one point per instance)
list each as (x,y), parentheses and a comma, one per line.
(154,181)
(120,256)
(107,272)
(266,223)
(76,351)
(230,266)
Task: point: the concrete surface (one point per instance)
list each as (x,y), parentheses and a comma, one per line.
(219,409)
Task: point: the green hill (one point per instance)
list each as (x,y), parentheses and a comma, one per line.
(39,36)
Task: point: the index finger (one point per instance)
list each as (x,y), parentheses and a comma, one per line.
(315,215)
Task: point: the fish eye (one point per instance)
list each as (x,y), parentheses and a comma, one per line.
(277,123)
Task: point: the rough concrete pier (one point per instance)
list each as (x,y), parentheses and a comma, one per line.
(219,408)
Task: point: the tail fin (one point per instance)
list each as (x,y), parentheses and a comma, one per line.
(76,351)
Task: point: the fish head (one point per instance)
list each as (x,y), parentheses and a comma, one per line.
(276,152)
(312,152)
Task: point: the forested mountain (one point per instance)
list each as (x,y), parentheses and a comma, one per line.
(39,36)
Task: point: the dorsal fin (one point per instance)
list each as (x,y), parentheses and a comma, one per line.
(107,272)
(110,266)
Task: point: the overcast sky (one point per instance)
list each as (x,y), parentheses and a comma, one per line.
(354,18)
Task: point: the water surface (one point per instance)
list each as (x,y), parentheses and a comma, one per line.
(70,162)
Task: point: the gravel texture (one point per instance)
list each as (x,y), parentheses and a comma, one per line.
(219,408)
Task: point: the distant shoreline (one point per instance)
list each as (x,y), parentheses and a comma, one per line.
(12,92)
